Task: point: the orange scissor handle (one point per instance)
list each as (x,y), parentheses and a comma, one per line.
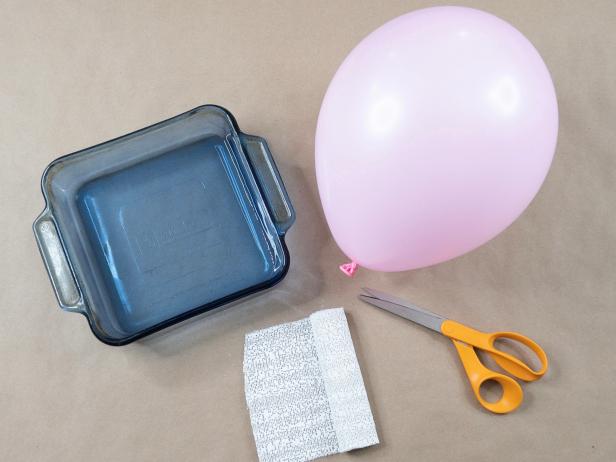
(477,374)
(485,341)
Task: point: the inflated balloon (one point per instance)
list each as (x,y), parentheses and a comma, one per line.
(434,135)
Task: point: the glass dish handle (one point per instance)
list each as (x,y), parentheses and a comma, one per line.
(57,265)
(268,177)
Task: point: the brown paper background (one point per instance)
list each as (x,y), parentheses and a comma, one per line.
(74,74)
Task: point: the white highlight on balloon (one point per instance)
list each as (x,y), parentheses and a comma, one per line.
(384,115)
(505,95)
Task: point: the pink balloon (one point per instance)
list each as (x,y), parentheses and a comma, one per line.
(435,134)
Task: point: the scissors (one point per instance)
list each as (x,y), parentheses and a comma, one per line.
(466,339)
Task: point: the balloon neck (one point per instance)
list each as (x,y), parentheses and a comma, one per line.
(349,268)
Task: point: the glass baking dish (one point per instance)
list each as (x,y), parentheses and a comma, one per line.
(165,223)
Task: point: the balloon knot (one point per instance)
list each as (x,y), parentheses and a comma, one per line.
(349,268)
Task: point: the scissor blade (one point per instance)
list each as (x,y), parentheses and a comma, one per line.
(407,311)
(398,301)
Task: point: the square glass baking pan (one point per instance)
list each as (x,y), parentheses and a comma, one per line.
(165,223)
